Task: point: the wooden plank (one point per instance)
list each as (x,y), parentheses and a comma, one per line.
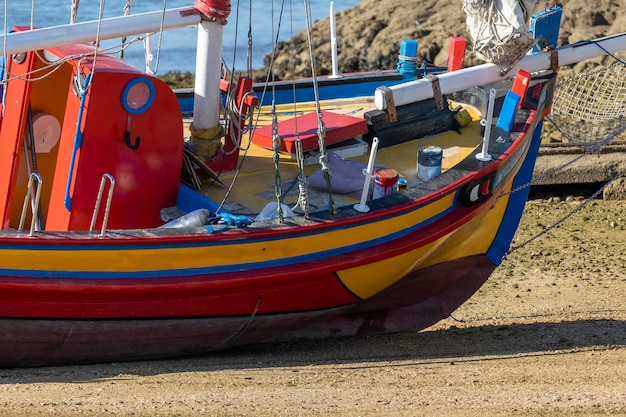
(415,120)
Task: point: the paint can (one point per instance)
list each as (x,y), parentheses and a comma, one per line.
(385,182)
(429,162)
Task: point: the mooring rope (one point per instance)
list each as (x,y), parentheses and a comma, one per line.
(534,316)
(276,140)
(126,13)
(303,184)
(74,10)
(588,109)
(560,221)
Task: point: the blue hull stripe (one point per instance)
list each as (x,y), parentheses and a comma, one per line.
(517,202)
(225,268)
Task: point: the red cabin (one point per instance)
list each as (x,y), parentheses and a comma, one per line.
(133,132)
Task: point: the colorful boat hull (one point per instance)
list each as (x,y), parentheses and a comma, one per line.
(75,297)
(125,282)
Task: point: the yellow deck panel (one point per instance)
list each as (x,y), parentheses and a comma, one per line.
(254,187)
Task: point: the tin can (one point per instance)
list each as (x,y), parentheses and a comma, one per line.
(402,183)
(385,182)
(429,162)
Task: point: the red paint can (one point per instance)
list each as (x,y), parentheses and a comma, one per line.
(385,182)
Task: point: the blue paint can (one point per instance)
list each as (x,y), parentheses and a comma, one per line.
(429,162)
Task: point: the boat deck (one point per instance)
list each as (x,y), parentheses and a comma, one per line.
(255,182)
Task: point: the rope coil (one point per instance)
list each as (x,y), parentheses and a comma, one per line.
(213,9)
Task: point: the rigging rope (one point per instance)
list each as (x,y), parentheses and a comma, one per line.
(275,136)
(96,46)
(230,100)
(126,13)
(147,47)
(321,131)
(276,158)
(74,10)
(32,14)
(303,184)
(127,8)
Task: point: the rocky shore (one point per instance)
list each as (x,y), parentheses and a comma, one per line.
(369,35)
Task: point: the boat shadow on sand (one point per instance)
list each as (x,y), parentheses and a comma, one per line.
(453,344)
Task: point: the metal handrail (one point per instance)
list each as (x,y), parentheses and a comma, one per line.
(107,209)
(34,203)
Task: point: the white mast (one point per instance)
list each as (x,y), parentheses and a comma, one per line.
(206,104)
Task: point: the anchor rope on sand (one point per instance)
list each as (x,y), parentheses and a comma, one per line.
(560,221)
(534,316)
(548,174)
(589,110)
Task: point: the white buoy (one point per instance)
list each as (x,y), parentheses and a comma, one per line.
(206,103)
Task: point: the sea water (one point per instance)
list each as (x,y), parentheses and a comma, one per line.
(177,47)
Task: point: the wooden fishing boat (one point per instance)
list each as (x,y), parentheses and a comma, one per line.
(91,158)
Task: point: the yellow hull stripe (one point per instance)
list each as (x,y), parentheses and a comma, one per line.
(473,238)
(232,254)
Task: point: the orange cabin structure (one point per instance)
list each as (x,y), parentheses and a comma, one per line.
(133,132)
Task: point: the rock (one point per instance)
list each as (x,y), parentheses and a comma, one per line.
(369,34)
(616,190)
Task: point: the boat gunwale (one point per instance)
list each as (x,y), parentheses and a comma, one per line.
(264,231)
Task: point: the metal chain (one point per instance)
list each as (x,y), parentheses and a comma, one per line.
(278,190)
(567,216)
(551,172)
(321,130)
(546,175)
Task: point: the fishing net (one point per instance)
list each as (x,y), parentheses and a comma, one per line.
(589,109)
(498,29)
